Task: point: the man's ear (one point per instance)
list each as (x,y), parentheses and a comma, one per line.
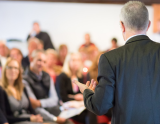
(122,26)
(149,24)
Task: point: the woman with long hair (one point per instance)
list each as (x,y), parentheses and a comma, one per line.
(93,70)
(62,53)
(17,104)
(51,64)
(16,54)
(67,91)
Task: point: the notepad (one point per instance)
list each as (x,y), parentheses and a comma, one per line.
(71,112)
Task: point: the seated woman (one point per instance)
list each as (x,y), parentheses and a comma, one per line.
(62,53)
(16,54)
(51,64)
(16,101)
(69,91)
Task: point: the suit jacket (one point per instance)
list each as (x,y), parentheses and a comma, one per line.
(129,81)
(45,38)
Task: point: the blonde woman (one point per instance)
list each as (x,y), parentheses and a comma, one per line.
(72,69)
(18,107)
(16,54)
(51,64)
(62,53)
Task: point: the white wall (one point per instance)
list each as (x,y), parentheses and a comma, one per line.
(65,22)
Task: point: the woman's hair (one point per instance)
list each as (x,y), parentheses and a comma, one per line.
(19,51)
(57,69)
(62,46)
(66,69)
(51,51)
(93,71)
(17,84)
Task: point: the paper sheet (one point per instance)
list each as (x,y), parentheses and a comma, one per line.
(71,112)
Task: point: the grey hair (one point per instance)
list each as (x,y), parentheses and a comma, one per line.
(36,52)
(33,39)
(134,16)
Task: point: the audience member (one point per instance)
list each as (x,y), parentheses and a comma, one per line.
(3,119)
(16,102)
(41,89)
(114,45)
(7,51)
(62,53)
(16,54)
(2,53)
(67,90)
(36,32)
(51,64)
(33,44)
(2,48)
(88,49)
(156,36)
(40,45)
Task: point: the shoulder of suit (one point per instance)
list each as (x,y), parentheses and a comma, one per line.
(114,52)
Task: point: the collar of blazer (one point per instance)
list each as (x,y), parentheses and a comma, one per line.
(137,38)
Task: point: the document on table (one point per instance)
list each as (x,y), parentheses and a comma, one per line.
(71,112)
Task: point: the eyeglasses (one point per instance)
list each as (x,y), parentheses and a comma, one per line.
(10,68)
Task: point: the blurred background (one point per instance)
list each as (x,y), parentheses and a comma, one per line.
(66,22)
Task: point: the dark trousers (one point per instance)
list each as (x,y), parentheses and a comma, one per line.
(86,117)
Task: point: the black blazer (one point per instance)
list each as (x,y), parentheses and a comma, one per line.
(3,119)
(25,63)
(64,87)
(129,81)
(6,109)
(45,39)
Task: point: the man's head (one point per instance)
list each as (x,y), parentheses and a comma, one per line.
(33,44)
(36,27)
(2,48)
(87,39)
(114,42)
(38,60)
(134,18)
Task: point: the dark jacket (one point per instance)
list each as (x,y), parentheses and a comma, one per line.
(6,109)
(3,119)
(129,81)
(45,38)
(64,87)
(40,87)
(25,62)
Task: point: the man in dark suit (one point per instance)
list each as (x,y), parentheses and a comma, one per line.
(129,76)
(43,36)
